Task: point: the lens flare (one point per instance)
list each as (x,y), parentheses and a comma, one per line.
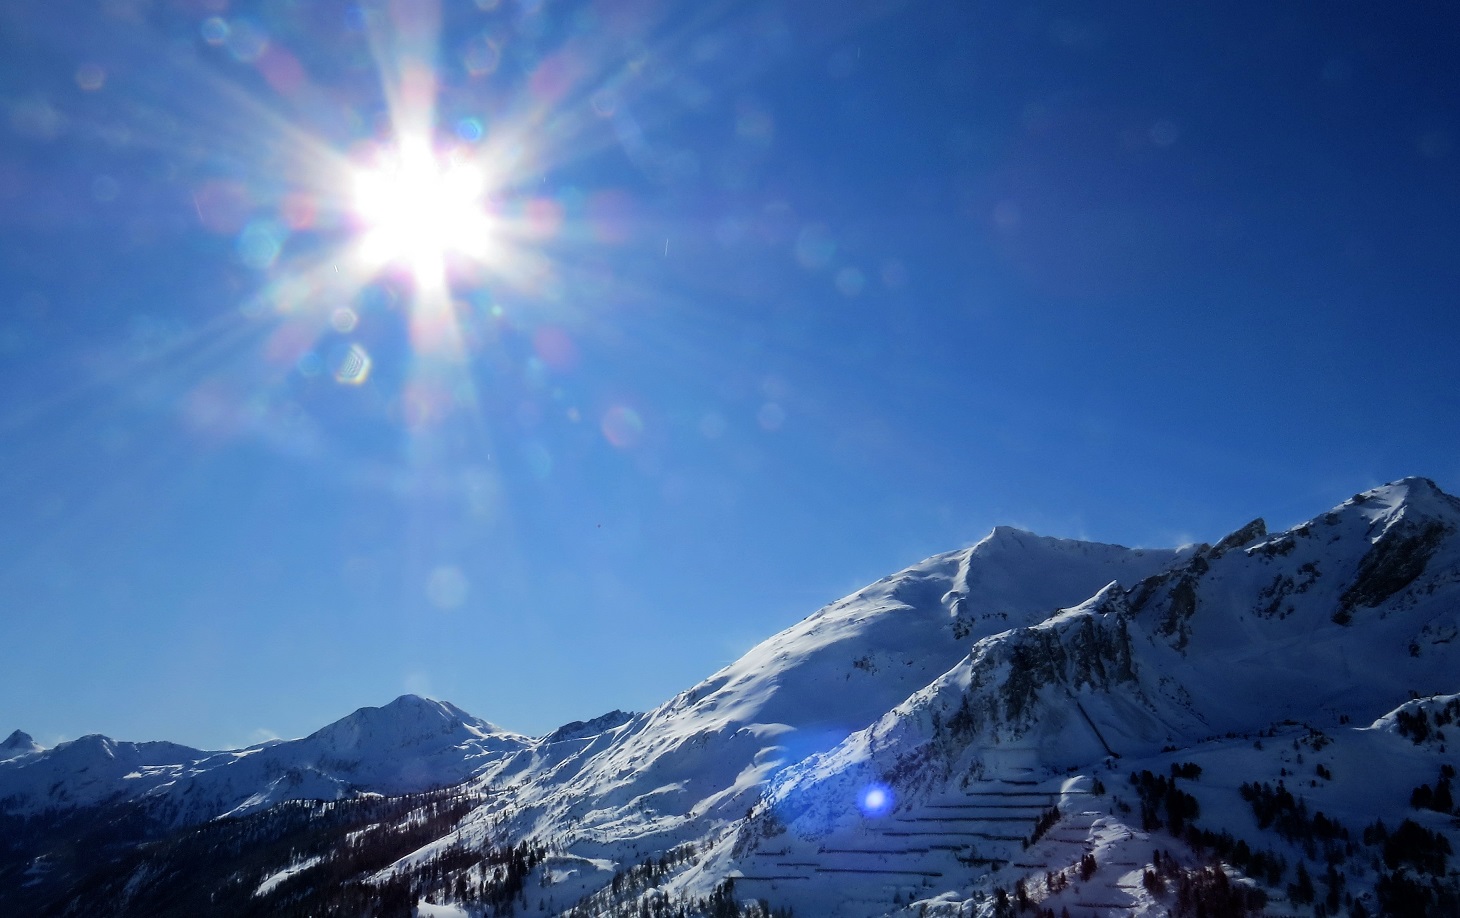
(417,208)
(352,366)
(875,800)
(426,258)
(447,587)
(622,426)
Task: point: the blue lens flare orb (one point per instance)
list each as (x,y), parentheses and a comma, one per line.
(875,800)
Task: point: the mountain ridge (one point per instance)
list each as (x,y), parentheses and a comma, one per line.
(957,719)
(408,745)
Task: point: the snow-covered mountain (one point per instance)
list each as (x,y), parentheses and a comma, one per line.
(1029,723)
(17,744)
(411,744)
(699,761)
(1313,638)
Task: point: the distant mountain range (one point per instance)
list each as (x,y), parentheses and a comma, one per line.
(1028,726)
(411,744)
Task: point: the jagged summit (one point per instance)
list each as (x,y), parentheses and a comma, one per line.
(1241,537)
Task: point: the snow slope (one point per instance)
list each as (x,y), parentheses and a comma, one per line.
(1308,633)
(964,731)
(411,744)
(17,744)
(701,759)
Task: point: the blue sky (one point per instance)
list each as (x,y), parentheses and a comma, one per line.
(775,299)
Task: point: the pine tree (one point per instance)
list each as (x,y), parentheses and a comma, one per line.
(1301,891)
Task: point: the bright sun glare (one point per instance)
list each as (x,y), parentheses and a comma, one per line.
(418,208)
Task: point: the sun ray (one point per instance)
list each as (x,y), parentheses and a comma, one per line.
(320,212)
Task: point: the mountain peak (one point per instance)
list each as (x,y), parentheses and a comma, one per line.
(406,712)
(1419,483)
(1412,491)
(1012,539)
(1009,534)
(407,721)
(1410,501)
(975,695)
(19,743)
(1240,538)
(414,703)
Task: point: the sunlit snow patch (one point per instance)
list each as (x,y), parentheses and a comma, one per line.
(267,886)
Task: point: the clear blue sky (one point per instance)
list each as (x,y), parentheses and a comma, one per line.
(778,298)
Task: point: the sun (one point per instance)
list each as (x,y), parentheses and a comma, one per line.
(417,207)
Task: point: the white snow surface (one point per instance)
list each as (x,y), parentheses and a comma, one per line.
(973,692)
(273,880)
(702,758)
(411,744)
(1056,658)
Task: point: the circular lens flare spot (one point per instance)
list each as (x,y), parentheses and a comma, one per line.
(259,244)
(555,348)
(875,800)
(90,77)
(622,426)
(344,320)
(446,587)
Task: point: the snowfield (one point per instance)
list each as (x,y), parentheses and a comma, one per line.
(1256,725)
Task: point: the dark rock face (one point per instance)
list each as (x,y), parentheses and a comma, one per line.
(1179,588)
(1180,611)
(579,729)
(1089,652)
(1395,561)
(1257,529)
(18,740)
